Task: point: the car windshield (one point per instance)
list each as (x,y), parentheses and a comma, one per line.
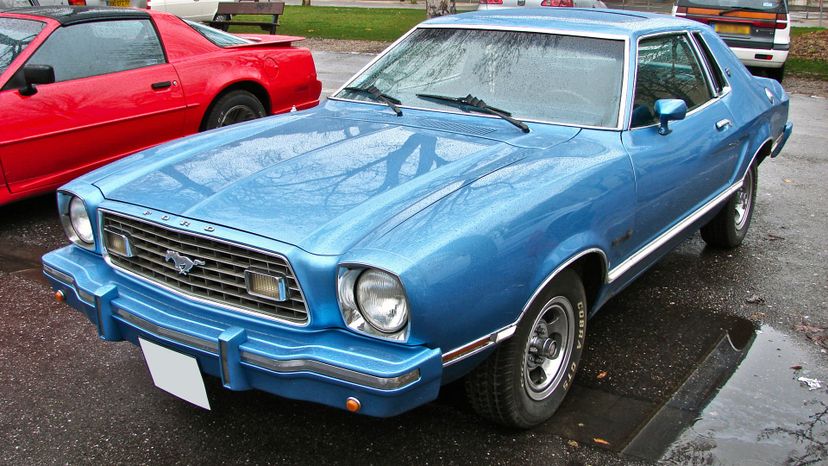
(533,76)
(15,35)
(761,5)
(220,38)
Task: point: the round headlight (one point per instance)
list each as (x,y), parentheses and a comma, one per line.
(80,220)
(381,299)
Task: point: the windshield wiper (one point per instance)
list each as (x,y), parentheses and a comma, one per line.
(474,103)
(744,8)
(372,91)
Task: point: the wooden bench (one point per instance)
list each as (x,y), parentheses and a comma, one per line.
(226,11)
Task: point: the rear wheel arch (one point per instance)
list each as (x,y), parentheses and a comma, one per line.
(763,152)
(250,86)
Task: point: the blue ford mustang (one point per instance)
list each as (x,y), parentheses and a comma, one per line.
(458,209)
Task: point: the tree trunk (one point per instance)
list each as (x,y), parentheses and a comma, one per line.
(306,3)
(440,8)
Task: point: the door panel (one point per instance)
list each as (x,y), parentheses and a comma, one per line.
(70,127)
(678,173)
(114,94)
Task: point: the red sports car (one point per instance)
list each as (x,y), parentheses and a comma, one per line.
(83,86)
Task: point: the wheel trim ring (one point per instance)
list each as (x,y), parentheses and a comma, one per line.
(541,391)
(743,202)
(237,114)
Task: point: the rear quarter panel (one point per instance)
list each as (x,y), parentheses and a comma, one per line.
(757,119)
(287,73)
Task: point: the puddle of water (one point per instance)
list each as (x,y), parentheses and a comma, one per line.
(706,388)
(763,414)
(20,257)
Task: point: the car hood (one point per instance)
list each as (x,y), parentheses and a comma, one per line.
(320,180)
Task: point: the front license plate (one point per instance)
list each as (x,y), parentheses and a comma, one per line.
(175,373)
(732,29)
(118,3)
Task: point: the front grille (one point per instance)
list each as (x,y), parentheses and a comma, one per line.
(219,280)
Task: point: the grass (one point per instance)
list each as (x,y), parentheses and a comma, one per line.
(382,24)
(803,67)
(798,31)
(807,66)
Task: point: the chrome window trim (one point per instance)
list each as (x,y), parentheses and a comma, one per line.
(709,102)
(622,104)
(198,299)
(698,37)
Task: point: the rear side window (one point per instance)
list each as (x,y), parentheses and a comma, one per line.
(667,69)
(220,38)
(92,49)
(719,81)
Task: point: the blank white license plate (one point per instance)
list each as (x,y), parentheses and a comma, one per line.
(175,373)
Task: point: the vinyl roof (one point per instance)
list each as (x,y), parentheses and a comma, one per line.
(78,14)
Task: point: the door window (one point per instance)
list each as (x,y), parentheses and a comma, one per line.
(668,68)
(92,49)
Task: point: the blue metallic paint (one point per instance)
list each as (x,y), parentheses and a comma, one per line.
(471,214)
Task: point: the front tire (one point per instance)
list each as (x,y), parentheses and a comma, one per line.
(728,228)
(526,378)
(234,107)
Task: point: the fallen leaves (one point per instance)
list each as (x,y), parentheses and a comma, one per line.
(601,375)
(755,299)
(600,441)
(818,335)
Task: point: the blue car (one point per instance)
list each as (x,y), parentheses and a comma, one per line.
(458,210)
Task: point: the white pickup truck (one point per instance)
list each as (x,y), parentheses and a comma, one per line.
(194,10)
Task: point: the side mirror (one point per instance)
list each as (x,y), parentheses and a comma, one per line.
(669,110)
(36,74)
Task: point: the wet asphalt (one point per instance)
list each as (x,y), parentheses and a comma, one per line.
(696,362)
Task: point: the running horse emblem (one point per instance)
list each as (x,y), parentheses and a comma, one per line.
(182,263)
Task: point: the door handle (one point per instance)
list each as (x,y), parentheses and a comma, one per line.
(721,125)
(161,85)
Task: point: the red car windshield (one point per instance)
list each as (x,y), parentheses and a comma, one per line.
(15,35)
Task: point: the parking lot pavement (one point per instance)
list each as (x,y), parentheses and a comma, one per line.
(334,68)
(679,348)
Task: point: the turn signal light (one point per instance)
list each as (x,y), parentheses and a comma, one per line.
(491,2)
(77,2)
(352,404)
(59,296)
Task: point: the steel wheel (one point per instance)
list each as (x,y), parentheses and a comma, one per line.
(237,114)
(549,348)
(744,201)
(729,227)
(233,107)
(524,380)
